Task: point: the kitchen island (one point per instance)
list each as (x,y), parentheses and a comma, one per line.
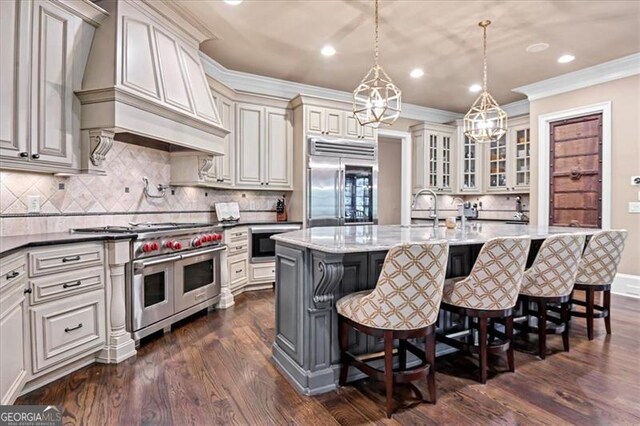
(315,267)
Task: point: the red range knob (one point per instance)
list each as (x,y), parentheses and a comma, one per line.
(146,248)
(177,246)
(217,237)
(155,246)
(170,244)
(205,238)
(196,242)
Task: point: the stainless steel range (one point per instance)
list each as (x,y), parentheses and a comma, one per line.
(174,272)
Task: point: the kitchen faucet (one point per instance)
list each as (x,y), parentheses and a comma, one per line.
(463,218)
(435,203)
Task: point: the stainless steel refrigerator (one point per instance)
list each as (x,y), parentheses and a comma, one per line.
(342,182)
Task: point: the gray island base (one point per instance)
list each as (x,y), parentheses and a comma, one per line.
(315,267)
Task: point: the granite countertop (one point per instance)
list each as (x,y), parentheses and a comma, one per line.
(365,238)
(11,244)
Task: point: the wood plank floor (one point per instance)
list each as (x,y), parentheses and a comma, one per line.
(217,369)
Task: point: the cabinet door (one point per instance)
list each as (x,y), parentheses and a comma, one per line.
(13,83)
(315,120)
(419,161)
(368,132)
(250,134)
(446,152)
(278,147)
(521,160)
(224,164)
(52,84)
(333,124)
(498,164)
(351,128)
(12,343)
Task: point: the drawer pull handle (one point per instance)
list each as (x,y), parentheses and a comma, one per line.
(12,274)
(238,271)
(76,284)
(67,330)
(27,291)
(70,259)
(237,234)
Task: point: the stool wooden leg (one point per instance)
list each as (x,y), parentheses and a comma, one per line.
(606,303)
(388,370)
(430,357)
(402,354)
(565,316)
(590,302)
(343,339)
(542,328)
(482,338)
(508,330)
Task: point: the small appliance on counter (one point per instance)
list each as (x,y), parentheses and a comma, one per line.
(281,210)
(468,210)
(227,212)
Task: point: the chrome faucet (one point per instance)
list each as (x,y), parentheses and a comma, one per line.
(435,203)
(463,218)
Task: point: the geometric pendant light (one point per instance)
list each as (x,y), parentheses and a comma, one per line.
(485,121)
(377,99)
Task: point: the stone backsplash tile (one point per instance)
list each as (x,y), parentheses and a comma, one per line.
(120,191)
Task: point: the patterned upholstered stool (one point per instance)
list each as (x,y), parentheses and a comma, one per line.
(550,281)
(597,270)
(490,291)
(404,305)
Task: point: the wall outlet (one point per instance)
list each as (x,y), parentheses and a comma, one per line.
(634,207)
(33,204)
(252,204)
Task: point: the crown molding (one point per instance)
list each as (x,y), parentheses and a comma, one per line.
(516,108)
(252,83)
(597,74)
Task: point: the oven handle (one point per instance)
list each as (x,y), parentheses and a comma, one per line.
(141,264)
(201,252)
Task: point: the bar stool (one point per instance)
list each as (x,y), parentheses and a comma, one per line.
(550,281)
(404,305)
(596,272)
(490,291)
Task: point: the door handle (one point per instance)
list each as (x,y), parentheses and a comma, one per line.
(198,253)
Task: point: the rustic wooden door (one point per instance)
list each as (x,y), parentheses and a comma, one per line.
(576,172)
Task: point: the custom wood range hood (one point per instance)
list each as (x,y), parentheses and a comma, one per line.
(144,79)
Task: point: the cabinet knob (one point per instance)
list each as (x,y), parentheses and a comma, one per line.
(261,183)
(266,183)
(35,156)
(24,154)
(28,291)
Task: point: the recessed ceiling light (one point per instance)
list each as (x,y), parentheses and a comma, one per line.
(233,2)
(537,47)
(328,50)
(475,88)
(416,73)
(565,59)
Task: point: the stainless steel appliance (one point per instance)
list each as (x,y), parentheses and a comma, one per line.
(174,272)
(342,182)
(261,247)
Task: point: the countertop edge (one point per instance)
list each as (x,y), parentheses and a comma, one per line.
(71,238)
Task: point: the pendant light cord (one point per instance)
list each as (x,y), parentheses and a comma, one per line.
(376,50)
(484,53)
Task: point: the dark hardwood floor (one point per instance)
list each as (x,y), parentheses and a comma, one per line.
(217,369)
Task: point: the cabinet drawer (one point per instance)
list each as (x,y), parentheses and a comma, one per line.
(263,273)
(64,258)
(237,249)
(238,269)
(65,328)
(66,284)
(12,269)
(237,236)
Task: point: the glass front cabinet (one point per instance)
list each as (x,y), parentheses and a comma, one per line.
(434,157)
(470,160)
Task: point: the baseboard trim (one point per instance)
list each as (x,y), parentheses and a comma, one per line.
(626,285)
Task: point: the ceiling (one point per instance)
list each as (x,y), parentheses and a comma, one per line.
(282,39)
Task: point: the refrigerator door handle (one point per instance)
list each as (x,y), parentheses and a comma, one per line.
(342,195)
(337,188)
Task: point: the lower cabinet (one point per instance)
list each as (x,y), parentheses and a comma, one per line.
(66,328)
(262,273)
(237,271)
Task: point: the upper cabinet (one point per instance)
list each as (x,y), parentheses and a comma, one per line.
(353,129)
(469,164)
(508,159)
(222,171)
(264,146)
(47,46)
(335,122)
(433,157)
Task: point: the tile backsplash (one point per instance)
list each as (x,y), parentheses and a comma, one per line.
(116,198)
(494,206)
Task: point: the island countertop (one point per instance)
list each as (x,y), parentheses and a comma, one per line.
(366,238)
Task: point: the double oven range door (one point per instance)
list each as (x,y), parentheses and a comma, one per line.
(167,285)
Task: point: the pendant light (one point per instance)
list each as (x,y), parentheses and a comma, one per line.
(485,121)
(376,100)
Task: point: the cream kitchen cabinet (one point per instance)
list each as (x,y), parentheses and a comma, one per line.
(264,145)
(508,159)
(221,173)
(13,330)
(48,43)
(325,121)
(353,129)
(433,157)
